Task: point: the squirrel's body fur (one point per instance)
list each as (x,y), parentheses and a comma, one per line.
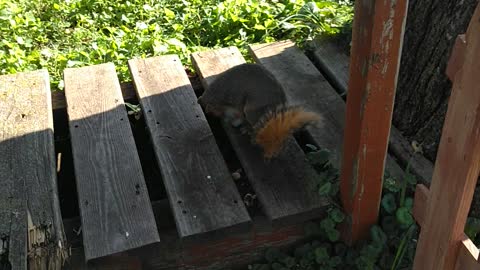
(250,92)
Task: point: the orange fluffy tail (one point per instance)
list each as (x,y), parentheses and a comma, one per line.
(275,127)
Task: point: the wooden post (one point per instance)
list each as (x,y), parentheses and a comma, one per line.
(457,164)
(375,57)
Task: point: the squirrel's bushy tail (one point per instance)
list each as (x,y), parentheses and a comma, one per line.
(275,127)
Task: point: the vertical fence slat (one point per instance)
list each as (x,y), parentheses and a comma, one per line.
(375,56)
(457,164)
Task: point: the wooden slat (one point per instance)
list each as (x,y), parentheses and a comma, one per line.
(283,185)
(30,219)
(457,164)
(468,253)
(114,204)
(201,190)
(334,63)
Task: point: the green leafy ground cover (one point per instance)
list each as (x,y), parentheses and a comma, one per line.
(392,242)
(56,34)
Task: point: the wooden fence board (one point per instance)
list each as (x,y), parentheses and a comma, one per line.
(457,164)
(334,63)
(468,253)
(114,204)
(201,190)
(283,185)
(30,218)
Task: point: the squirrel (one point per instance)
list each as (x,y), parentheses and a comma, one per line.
(248,96)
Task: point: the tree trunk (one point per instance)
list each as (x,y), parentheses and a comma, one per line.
(423,87)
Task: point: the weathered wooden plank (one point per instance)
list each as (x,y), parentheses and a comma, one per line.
(283,185)
(201,190)
(457,164)
(233,251)
(114,204)
(334,63)
(468,253)
(30,218)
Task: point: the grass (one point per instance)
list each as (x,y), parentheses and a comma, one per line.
(57,34)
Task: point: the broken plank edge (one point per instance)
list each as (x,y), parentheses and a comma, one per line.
(468,253)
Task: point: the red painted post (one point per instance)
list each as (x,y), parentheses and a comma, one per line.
(375,58)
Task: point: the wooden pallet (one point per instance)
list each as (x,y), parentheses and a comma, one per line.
(119,225)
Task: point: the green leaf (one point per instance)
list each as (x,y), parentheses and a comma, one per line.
(333,235)
(404,217)
(472,227)
(337,215)
(319,157)
(388,203)
(378,236)
(321,255)
(325,189)
(168,13)
(327,224)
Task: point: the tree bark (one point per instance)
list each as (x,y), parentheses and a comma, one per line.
(423,88)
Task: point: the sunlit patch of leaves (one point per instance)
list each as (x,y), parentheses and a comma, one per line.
(58,34)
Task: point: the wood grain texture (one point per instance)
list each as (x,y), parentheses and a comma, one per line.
(114,204)
(457,165)
(468,253)
(377,39)
(334,64)
(284,186)
(201,190)
(30,219)
(234,251)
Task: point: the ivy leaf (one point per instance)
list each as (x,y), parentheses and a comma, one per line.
(327,224)
(325,189)
(404,217)
(337,215)
(319,158)
(333,235)
(388,203)
(321,255)
(409,203)
(378,236)
(472,227)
